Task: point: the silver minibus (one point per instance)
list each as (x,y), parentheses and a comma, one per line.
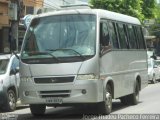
(84,56)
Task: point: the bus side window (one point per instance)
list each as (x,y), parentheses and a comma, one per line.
(140,37)
(132,37)
(122,36)
(126,36)
(137,39)
(113,35)
(104,36)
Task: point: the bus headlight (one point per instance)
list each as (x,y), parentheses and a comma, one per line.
(87,77)
(26,79)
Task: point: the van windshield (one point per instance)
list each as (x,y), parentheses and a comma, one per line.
(66,37)
(3,65)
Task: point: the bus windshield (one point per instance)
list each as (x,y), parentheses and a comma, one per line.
(64,37)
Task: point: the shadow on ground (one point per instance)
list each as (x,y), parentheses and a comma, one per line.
(75,113)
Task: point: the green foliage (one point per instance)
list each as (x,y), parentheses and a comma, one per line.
(155,28)
(157,13)
(148,8)
(141,9)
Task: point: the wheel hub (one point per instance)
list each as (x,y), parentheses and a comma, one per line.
(11,100)
(108,99)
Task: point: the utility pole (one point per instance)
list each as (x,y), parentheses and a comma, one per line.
(15,11)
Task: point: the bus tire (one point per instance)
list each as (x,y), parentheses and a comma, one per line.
(153,79)
(106,106)
(134,98)
(37,109)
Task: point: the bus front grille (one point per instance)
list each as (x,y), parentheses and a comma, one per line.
(54,80)
(57,93)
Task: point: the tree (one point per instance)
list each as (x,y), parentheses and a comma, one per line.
(157,13)
(133,8)
(148,9)
(155,28)
(141,9)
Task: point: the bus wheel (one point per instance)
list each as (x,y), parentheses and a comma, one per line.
(134,98)
(153,79)
(106,106)
(37,109)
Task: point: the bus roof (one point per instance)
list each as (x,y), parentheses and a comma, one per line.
(98,12)
(117,16)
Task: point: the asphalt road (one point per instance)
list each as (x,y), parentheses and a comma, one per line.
(149,104)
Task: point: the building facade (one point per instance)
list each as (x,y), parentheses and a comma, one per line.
(30,7)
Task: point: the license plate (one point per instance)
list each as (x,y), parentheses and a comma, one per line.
(54,100)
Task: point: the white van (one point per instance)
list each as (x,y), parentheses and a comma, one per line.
(9,82)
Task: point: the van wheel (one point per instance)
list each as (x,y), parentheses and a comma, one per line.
(37,109)
(106,106)
(11,101)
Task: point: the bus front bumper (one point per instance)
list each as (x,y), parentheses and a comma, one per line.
(80,91)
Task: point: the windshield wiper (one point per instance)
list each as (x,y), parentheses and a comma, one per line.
(67,49)
(43,53)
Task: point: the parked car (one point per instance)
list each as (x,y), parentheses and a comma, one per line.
(151,54)
(153,70)
(158,62)
(9,81)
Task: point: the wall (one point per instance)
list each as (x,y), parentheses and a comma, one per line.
(4,25)
(4,14)
(34,3)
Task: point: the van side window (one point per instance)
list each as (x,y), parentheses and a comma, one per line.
(132,37)
(104,36)
(122,36)
(113,36)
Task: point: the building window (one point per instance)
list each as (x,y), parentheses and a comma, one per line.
(29,10)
